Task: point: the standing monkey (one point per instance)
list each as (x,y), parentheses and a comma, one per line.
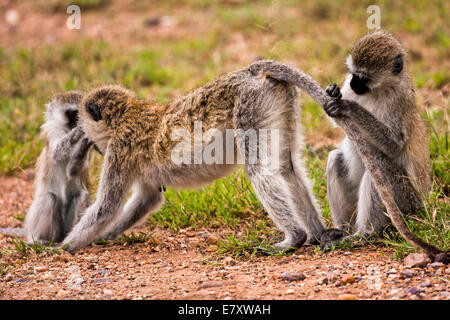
(62,181)
(135,137)
(383,162)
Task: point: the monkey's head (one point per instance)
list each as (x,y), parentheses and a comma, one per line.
(376,60)
(62,112)
(101,111)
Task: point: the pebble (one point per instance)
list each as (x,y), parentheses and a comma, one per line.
(416,260)
(290,291)
(348,280)
(41,269)
(229,261)
(436,264)
(412,290)
(425,284)
(348,297)
(211,284)
(407,274)
(292,276)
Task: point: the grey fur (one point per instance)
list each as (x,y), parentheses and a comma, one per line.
(383,163)
(262,95)
(61,193)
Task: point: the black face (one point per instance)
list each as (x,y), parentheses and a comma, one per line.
(359,84)
(94,110)
(72,117)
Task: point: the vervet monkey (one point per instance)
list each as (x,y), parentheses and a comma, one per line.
(135,137)
(383,164)
(62,180)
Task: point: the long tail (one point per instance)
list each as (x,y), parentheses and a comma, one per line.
(303,81)
(14,232)
(284,72)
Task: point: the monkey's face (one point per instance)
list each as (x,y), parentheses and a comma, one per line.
(72,118)
(376,60)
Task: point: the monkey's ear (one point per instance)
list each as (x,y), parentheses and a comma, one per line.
(398,65)
(93,109)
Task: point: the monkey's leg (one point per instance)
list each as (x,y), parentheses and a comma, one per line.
(275,196)
(44,219)
(371,217)
(145,198)
(342,192)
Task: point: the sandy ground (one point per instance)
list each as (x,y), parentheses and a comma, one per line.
(184,265)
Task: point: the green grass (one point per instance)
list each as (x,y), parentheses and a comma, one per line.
(315,35)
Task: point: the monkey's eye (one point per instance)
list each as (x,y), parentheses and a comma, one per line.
(94,111)
(398,65)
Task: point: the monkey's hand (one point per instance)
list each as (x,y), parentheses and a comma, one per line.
(336,107)
(334,91)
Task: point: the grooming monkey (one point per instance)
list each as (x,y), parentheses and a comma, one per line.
(62,181)
(383,163)
(135,137)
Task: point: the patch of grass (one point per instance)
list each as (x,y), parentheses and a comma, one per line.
(226,202)
(24,249)
(131,238)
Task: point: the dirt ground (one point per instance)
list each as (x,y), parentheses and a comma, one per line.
(184,265)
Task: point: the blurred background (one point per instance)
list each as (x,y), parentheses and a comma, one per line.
(162,49)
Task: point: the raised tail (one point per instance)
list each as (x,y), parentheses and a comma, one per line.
(14,232)
(284,72)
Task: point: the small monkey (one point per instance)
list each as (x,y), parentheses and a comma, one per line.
(62,179)
(135,137)
(383,163)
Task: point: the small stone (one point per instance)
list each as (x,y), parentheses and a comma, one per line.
(63,258)
(347,253)
(40,269)
(436,264)
(416,260)
(425,284)
(412,290)
(8,277)
(211,284)
(348,297)
(406,274)
(348,280)
(107,292)
(212,240)
(204,234)
(229,261)
(290,291)
(323,281)
(292,276)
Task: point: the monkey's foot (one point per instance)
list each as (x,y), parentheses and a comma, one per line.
(288,245)
(333,238)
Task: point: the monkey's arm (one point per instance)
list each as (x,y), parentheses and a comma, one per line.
(111,193)
(78,157)
(61,149)
(389,140)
